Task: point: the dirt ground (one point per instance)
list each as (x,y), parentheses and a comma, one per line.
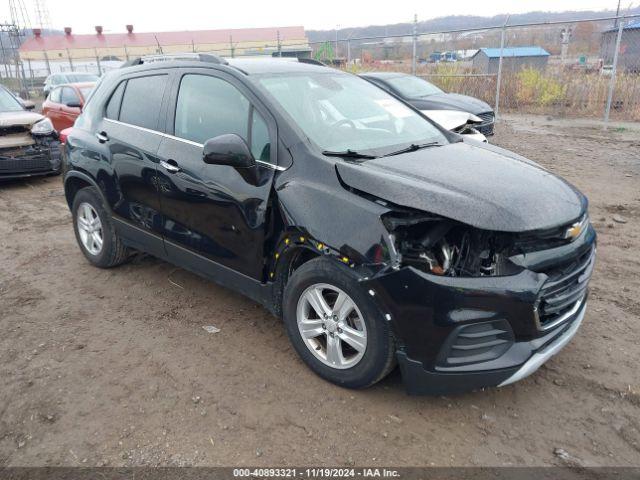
(113,367)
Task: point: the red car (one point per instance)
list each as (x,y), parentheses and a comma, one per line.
(65,102)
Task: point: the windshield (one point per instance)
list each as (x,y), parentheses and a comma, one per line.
(81,77)
(8,102)
(341,112)
(413,87)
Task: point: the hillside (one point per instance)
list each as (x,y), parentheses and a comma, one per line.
(455,22)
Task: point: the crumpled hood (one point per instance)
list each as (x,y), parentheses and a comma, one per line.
(451,101)
(479,185)
(20,118)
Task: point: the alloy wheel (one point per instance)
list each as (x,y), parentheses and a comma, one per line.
(90,228)
(331,326)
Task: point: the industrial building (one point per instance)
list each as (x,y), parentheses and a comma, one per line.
(287,41)
(486,60)
(629,54)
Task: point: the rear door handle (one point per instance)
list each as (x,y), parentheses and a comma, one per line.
(170,166)
(102,137)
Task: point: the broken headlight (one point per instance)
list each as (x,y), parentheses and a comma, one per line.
(443,247)
(42,127)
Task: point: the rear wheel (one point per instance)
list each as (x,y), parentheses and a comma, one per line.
(94,230)
(335,327)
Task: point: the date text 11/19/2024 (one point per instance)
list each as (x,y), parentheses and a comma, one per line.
(316,472)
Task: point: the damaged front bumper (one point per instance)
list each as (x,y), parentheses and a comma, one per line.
(457,334)
(43,157)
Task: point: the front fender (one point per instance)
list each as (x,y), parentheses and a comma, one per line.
(315,202)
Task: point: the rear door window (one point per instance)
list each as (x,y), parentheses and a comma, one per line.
(69,95)
(142,101)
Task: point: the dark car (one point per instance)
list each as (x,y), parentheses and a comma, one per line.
(28,142)
(378,237)
(432,101)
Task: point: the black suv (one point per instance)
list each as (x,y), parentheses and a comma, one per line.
(378,237)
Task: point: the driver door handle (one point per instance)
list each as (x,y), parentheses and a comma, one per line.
(170,166)
(101,136)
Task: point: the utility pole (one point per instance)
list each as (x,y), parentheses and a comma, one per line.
(612,80)
(617,14)
(499,79)
(336,49)
(279,44)
(4,55)
(565,37)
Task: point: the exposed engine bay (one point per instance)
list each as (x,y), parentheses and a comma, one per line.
(444,247)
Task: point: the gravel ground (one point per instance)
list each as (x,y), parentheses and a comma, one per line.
(113,367)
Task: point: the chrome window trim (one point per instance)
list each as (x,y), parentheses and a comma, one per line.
(184,140)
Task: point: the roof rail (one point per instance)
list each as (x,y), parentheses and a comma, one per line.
(312,61)
(194,57)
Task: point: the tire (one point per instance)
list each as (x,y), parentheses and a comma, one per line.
(112,252)
(361,368)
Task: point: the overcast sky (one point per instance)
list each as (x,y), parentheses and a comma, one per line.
(145,15)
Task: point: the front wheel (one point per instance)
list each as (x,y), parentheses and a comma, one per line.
(335,327)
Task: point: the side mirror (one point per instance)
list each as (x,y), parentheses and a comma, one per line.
(28,104)
(73,105)
(229,149)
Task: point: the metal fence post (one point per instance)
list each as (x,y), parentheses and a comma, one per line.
(70,61)
(30,73)
(46,62)
(415,44)
(612,81)
(499,79)
(98,61)
(348,51)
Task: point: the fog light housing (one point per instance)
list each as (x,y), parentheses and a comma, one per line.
(476,343)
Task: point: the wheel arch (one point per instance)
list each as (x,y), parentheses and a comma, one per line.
(284,264)
(74,182)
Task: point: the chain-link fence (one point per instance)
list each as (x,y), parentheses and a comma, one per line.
(588,68)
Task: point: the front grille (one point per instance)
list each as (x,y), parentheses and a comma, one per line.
(486,127)
(564,291)
(27,164)
(14,129)
(476,342)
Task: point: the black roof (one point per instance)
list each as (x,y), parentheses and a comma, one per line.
(384,75)
(248,66)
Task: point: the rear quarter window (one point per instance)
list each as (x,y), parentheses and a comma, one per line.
(113,105)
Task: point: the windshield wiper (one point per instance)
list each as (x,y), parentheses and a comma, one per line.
(413,147)
(348,154)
